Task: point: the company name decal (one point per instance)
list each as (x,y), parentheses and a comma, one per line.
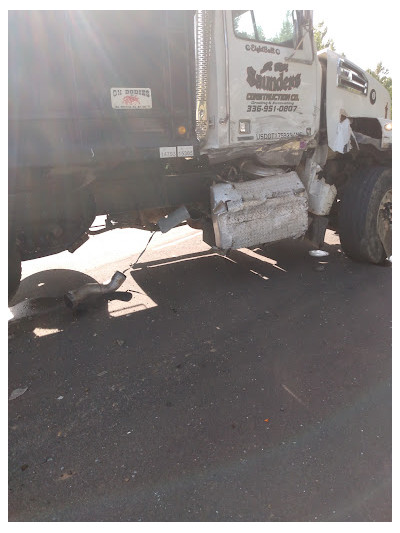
(265,49)
(294,97)
(273,83)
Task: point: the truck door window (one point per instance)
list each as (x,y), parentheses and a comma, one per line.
(275,27)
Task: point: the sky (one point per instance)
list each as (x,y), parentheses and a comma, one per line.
(366,36)
(364,31)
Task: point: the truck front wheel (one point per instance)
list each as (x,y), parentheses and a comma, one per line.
(365,216)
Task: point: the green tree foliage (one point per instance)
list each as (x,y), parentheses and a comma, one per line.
(381,74)
(260,33)
(319,35)
(243,19)
(286,32)
(237,16)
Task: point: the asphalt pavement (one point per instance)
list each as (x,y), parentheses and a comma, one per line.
(249,387)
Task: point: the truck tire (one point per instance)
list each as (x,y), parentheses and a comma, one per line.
(14,270)
(365,215)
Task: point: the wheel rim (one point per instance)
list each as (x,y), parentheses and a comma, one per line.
(384,222)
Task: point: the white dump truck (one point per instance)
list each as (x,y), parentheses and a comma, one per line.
(229,121)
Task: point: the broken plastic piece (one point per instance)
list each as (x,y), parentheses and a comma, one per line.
(318,253)
(173,219)
(342,142)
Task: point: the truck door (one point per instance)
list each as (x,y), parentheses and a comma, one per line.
(273,76)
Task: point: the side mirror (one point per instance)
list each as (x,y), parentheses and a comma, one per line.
(308,18)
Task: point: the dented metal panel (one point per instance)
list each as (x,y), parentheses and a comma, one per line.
(370,100)
(259,211)
(321,196)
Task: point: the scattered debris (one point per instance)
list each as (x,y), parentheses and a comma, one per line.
(60,398)
(17,392)
(120,342)
(173,219)
(66,475)
(73,298)
(318,253)
(103,373)
(24,467)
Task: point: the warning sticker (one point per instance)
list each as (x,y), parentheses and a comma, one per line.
(185,151)
(135,98)
(167,151)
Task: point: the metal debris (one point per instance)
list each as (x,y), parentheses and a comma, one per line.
(74,298)
(318,253)
(17,392)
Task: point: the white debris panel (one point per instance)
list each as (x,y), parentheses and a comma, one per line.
(259,211)
(342,140)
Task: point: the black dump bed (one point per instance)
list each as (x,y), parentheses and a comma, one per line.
(69,75)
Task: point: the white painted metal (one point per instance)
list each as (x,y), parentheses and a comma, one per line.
(287,107)
(342,102)
(273,118)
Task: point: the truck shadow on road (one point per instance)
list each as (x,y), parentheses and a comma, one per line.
(40,298)
(40,301)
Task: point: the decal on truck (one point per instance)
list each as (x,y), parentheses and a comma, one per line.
(131,98)
(265,49)
(277,135)
(257,108)
(273,83)
(294,97)
(176,151)
(278,67)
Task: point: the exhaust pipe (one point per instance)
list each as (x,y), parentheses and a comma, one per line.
(74,298)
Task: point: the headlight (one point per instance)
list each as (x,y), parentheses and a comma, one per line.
(388,126)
